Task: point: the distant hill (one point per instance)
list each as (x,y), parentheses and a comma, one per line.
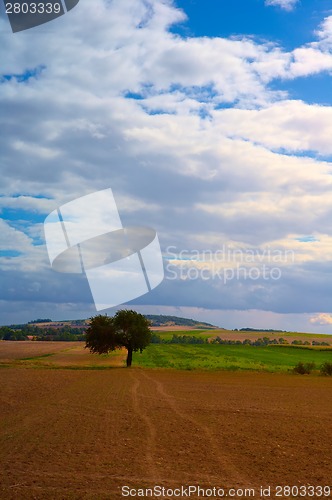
(161,320)
(155,319)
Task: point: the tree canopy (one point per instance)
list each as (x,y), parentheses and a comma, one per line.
(127,329)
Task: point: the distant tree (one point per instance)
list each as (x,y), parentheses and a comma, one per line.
(40,320)
(303,368)
(7,333)
(317,343)
(127,329)
(156,339)
(326,368)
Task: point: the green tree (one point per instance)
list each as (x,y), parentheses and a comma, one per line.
(326,368)
(100,336)
(6,333)
(127,329)
(133,331)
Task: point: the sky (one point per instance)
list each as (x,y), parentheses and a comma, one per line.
(210,120)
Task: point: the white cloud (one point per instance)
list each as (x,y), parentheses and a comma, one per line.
(12,239)
(309,61)
(20,253)
(27,203)
(283,4)
(293,126)
(321,319)
(325,33)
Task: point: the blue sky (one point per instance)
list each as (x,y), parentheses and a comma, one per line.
(289,28)
(211,122)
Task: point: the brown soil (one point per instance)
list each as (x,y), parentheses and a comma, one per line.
(83,434)
(26,349)
(66,354)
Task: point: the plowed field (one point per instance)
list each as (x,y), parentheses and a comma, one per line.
(84,434)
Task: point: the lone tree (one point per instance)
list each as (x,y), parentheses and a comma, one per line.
(127,329)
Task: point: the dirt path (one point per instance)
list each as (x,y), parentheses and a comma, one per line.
(151,429)
(217,454)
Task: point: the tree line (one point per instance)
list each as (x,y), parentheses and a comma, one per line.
(265,341)
(64,334)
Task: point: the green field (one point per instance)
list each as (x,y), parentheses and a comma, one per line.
(234,334)
(203,334)
(224,357)
(73,355)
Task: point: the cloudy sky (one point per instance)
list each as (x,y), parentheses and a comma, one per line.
(211,121)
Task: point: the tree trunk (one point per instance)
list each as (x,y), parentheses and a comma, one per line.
(129,356)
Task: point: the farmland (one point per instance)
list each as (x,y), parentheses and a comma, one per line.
(72,355)
(234,335)
(233,357)
(81,426)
